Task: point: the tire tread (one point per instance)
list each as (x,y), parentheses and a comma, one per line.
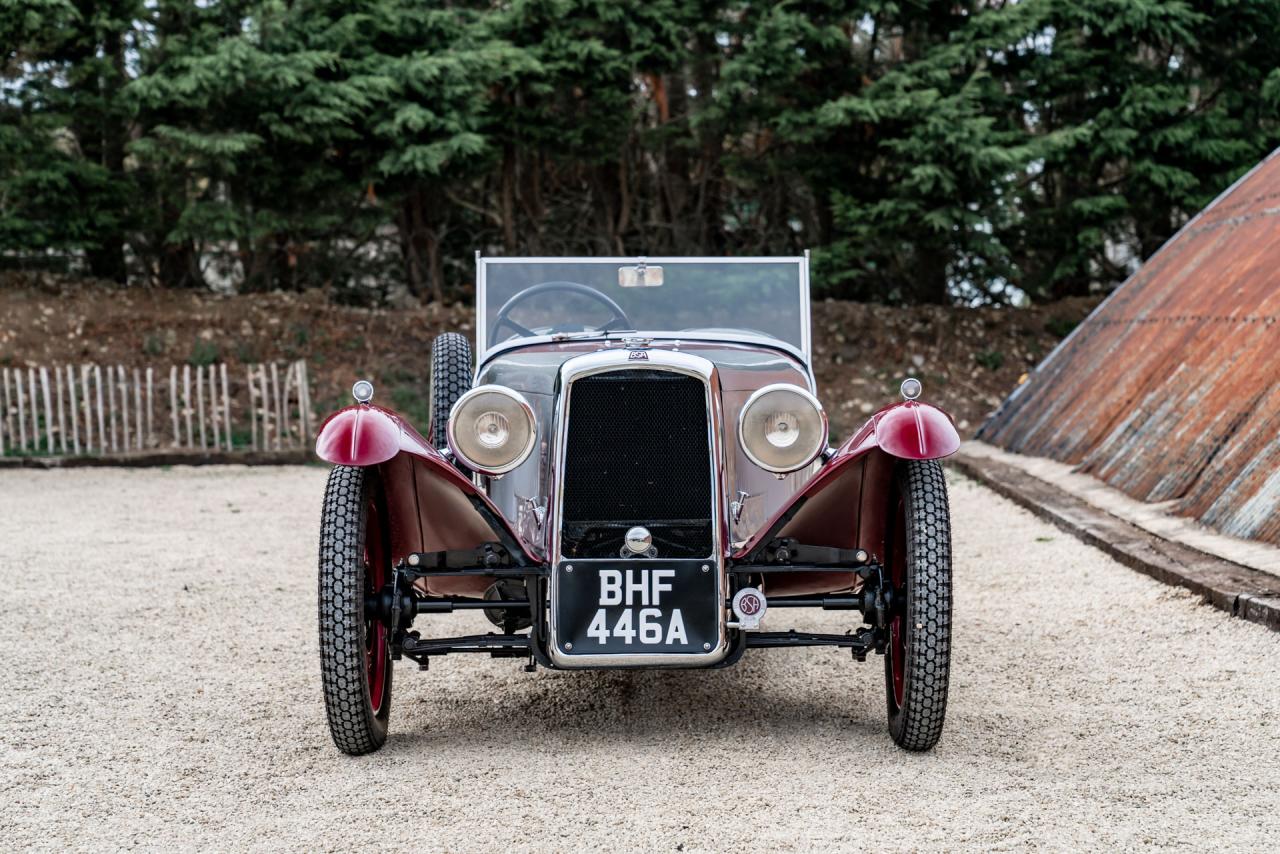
(450,379)
(918,725)
(354,727)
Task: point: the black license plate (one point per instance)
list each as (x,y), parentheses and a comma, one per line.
(637,607)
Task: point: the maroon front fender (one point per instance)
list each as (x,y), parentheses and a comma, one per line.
(360,435)
(431,506)
(915,431)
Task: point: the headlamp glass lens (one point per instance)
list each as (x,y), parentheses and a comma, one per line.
(780,429)
(492,429)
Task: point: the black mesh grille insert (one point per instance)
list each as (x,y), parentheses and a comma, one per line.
(637,454)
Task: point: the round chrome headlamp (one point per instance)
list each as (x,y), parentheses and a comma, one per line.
(491,429)
(782,428)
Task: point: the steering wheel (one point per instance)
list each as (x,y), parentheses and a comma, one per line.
(504,314)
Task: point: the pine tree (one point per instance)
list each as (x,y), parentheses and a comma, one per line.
(1141,114)
(64,129)
(928,151)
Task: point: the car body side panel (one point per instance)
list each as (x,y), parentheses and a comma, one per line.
(832,517)
(846,504)
(846,509)
(446,519)
(429,502)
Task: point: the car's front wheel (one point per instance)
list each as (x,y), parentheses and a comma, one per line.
(355,653)
(918,656)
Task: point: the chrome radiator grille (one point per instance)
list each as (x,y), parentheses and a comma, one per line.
(638,453)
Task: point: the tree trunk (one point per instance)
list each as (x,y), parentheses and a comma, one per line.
(179,266)
(604,188)
(674,178)
(928,285)
(624,205)
(107,258)
(710,204)
(413,272)
(421,232)
(509,197)
(436,264)
(531,201)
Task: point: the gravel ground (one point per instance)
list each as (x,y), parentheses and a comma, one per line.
(159,689)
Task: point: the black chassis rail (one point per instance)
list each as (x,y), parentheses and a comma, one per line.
(399,604)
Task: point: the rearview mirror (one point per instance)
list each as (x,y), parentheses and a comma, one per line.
(641,275)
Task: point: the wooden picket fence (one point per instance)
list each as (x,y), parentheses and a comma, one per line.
(96,409)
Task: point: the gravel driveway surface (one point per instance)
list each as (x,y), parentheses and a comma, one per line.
(159,689)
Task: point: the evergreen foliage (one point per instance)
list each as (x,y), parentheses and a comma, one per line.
(926,151)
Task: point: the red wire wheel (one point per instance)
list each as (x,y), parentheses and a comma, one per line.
(896,651)
(355,654)
(918,568)
(377,650)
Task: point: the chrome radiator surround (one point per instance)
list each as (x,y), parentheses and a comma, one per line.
(654,360)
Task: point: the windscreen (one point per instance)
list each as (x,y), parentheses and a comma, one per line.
(756,297)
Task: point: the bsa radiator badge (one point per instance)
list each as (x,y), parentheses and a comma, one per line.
(749,606)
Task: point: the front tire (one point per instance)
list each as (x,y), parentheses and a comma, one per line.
(918,656)
(450,379)
(355,654)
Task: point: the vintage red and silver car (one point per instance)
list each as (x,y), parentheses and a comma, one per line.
(634,472)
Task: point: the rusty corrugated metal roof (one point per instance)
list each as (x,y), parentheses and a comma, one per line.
(1170,390)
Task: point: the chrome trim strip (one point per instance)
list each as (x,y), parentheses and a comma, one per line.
(806,316)
(662,360)
(481,305)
